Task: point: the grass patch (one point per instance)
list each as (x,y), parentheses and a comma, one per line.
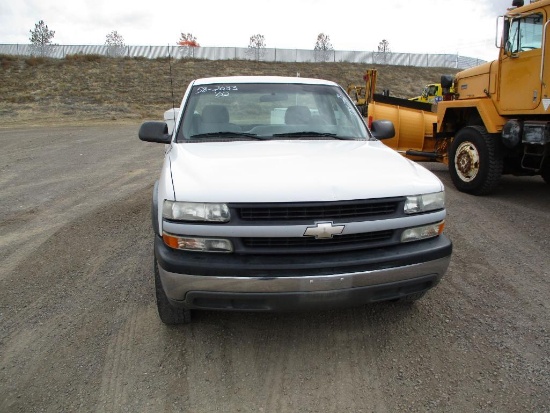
(83,57)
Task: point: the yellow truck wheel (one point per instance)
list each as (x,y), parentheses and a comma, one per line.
(475,162)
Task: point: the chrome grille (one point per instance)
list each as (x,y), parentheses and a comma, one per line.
(318,211)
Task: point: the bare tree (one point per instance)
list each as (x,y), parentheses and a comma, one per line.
(323,48)
(384,46)
(256,47)
(41,38)
(383,51)
(115,43)
(187,44)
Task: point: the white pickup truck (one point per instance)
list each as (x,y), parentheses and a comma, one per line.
(275,196)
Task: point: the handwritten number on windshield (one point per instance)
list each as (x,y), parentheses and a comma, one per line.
(218,91)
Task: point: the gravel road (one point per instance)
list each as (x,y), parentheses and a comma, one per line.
(79,330)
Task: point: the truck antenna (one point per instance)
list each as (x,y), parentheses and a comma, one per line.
(171,81)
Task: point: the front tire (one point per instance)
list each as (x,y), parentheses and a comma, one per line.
(411,298)
(545,172)
(475,161)
(168,314)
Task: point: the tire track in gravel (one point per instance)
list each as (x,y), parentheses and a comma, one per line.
(114,390)
(47,218)
(57,317)
(63,267)
(500,272)
(283,363)
(60,174)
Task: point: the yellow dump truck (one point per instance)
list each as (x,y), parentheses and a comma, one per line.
(497,121)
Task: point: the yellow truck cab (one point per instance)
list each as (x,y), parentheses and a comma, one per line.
(498,119)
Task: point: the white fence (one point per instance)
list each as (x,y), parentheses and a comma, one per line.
(240,53)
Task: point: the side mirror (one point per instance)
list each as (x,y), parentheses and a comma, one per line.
(447,81)
(154,132)
(382,129)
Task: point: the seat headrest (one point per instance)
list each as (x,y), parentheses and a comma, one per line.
(297,115)
(215,114)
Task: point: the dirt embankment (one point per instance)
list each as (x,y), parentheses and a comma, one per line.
(79,88)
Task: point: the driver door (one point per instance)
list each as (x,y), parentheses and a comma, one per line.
(520,85)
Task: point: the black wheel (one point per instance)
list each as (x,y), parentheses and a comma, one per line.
(167,312)
(475,161)
(411,298)
(545,172)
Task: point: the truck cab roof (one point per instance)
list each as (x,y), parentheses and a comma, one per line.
(263,79)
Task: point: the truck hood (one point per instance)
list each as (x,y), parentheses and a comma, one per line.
(480,70)
(294,171)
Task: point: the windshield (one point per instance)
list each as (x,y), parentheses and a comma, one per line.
(269,111)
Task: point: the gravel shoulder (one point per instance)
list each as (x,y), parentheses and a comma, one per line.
(79,329)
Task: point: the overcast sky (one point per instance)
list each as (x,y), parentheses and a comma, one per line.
(466,27)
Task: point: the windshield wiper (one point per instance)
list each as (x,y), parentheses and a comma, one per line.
(312,134)
(227,135)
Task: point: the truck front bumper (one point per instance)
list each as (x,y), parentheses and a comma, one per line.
(275,283)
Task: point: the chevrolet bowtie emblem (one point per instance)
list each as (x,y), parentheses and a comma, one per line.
(323,230)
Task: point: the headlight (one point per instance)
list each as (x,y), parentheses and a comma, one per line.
(423,232)
(195,211)
(423,203)
(188,243)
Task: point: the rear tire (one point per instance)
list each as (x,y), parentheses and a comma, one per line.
(475,161)
(168,314)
